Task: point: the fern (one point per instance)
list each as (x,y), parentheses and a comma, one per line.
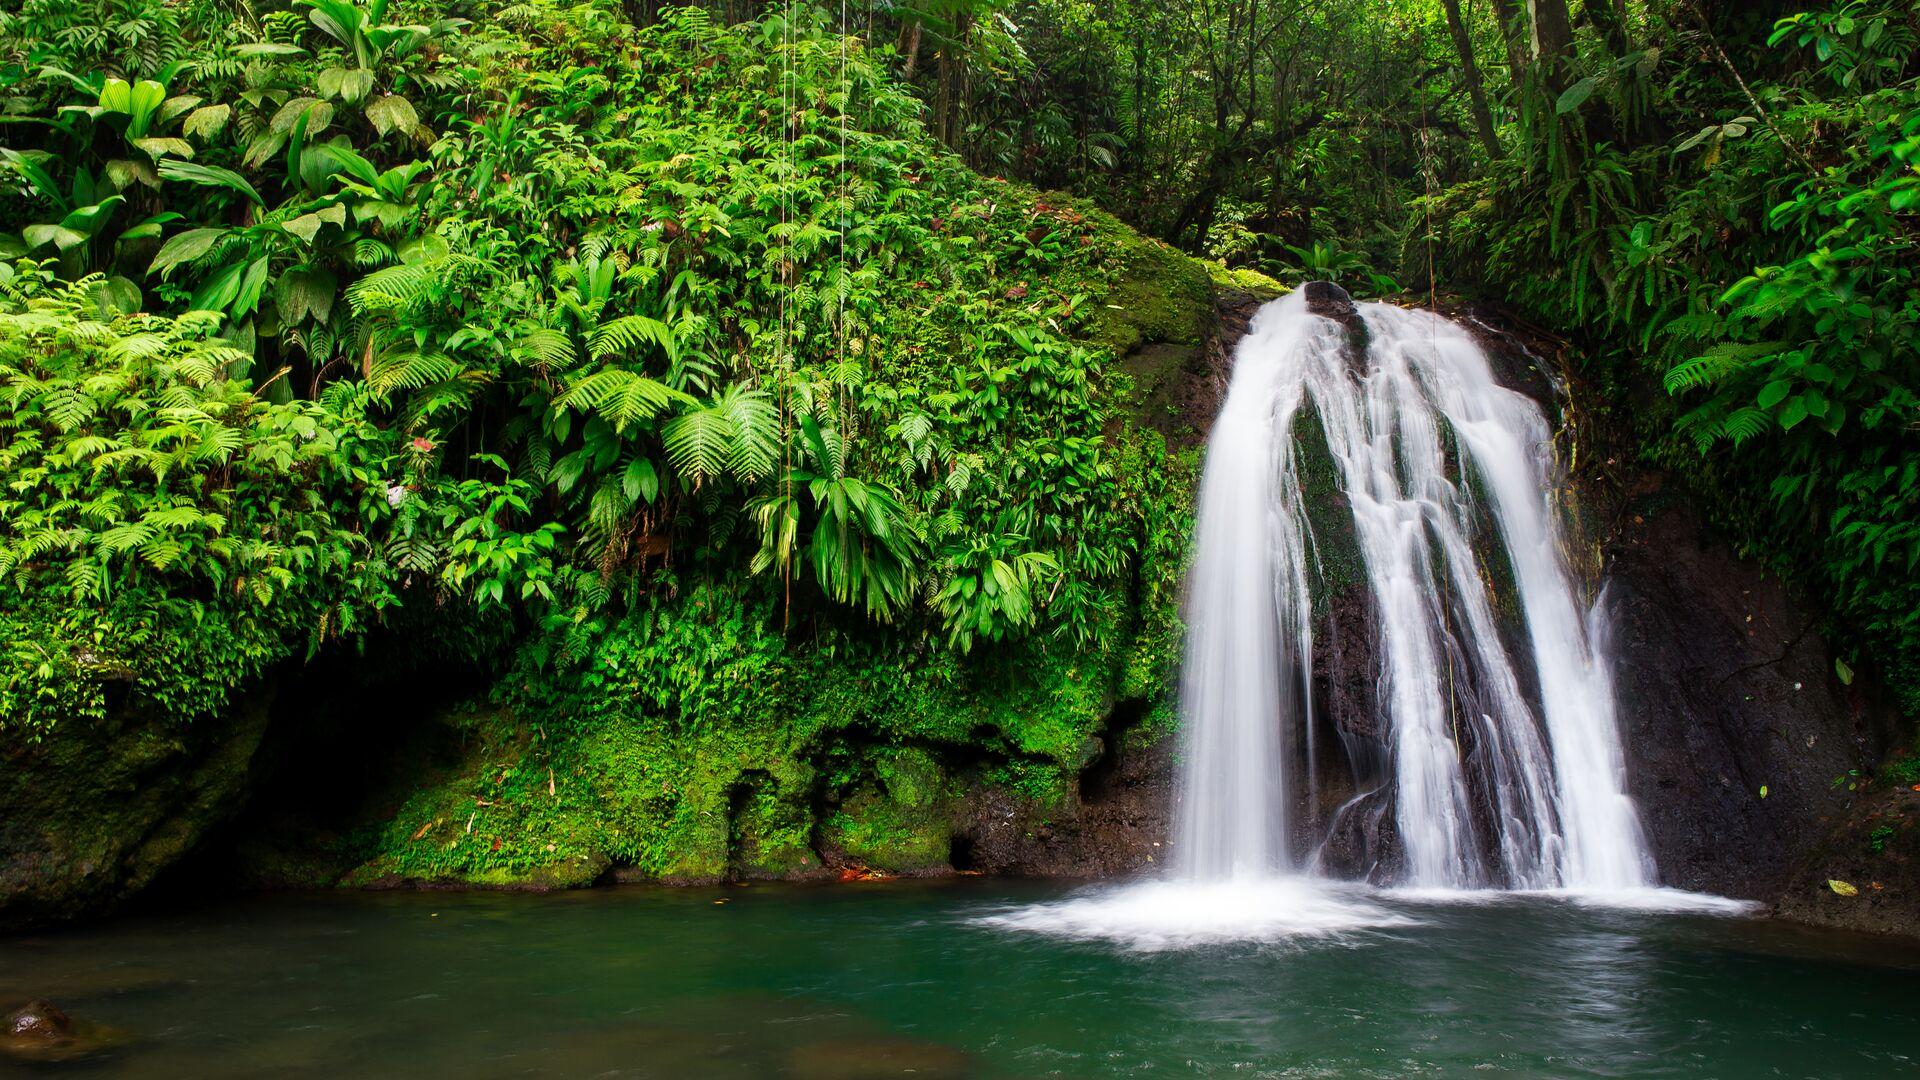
(623,398)
(625,336)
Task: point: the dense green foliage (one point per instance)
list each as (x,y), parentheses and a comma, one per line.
(1715,200)
(619,324)
(163,526)
(794,461)
(792,452)
(1747,247)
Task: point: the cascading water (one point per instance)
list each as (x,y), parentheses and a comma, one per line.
(1490,757)
(1489,789)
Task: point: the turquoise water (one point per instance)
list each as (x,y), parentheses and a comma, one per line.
(904,979)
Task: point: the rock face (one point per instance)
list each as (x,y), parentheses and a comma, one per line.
(93,812)
(1735,724)
(1864,875)
(1121,824)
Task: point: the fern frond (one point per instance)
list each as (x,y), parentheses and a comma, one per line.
(625,335)
(621,397)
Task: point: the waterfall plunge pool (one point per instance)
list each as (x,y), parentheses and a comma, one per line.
(929,979)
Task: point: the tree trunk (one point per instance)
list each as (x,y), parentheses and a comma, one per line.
(1470,74)
(909,46)
(1609,17)
(950,101)
(1553,42)
(1507,14)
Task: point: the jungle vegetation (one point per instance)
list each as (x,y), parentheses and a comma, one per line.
(682,357)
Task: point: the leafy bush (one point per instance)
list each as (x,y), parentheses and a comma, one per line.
(580,316)
(163,527)
(1760,268)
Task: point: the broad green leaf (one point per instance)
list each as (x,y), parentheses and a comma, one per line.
(206,121)
(301,294)
(117,295)
(317,114)
(89,219)
(1576,95)
(424,249)
(391,112)
(268,48)
(210,176)
(149,228)
(184,248)
(157,148)
(42,235)
(306,226)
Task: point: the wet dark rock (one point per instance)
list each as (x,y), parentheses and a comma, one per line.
(1206,386)
(38,1020)
(40,1032)
(1523,358)
(1346,669)
(1329,301)
(91,814)
(1725,688)
(1875,853)
(1121,823)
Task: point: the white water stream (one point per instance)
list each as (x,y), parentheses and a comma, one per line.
(1488,789)
(1450,481)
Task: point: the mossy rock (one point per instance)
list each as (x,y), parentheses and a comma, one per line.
(1159,294)
(1244,280)
(95,810)
(902,822)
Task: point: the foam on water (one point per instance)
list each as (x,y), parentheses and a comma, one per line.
(1156,915)
(1649,899)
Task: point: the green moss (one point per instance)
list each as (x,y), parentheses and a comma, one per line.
(1157,294)
(1243,279)
(902,822)
(1336,547)
(737,764)
(95,809)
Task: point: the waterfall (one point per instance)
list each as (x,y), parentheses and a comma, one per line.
(1503,761)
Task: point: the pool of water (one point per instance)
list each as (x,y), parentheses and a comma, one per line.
(956,979)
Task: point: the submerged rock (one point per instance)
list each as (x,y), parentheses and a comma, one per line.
(40,1020)
(40,1031)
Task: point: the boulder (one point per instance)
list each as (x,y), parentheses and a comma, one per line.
(92,812)
(39,1032)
